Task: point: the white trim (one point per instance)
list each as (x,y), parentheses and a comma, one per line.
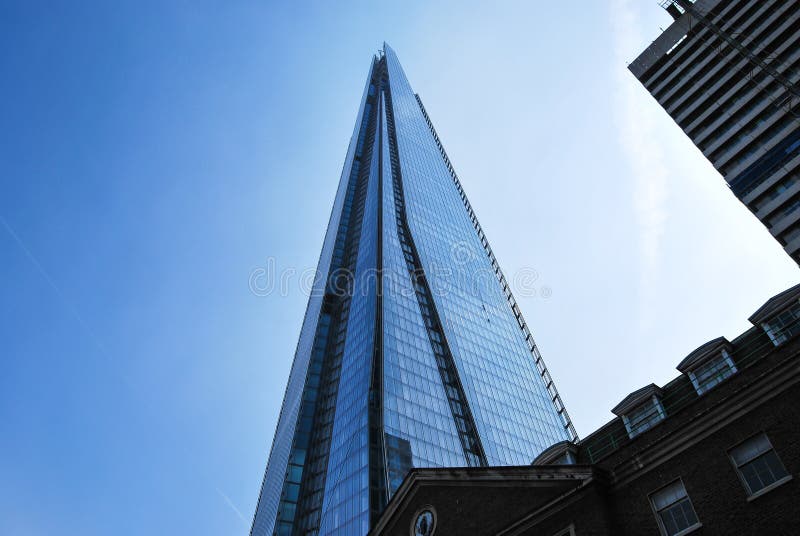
(726,359)
(751,495)
(569,531)
(661,529)
(729,359)
(776,339)
(763,491)
(688,530)
(651,420)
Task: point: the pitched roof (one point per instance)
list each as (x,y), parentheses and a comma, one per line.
(554,451)
(775,304)
(493,496)
(703,353)
(636,397)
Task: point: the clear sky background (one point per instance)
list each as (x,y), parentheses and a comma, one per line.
(153,154)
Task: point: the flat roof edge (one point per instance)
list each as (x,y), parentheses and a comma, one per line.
(668,39)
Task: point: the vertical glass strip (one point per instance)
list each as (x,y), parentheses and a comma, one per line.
(276,470)
(513,412)
(461,414)
(345,505)
(418,424)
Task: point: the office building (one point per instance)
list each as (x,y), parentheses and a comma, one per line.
(726,71)
(413,352)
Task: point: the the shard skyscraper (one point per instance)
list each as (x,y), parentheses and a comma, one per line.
(413,352)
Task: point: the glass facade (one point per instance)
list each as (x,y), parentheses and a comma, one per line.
(413,352)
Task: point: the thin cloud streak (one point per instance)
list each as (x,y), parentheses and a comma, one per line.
(233,507)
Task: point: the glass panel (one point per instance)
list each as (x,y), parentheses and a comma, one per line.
(674,508)
(763,471)
(785,325)
(514,416)
(643,417)
(267,508)
(418,422)
(459,385)
(668,495)
(751,448)
(678,517)
(712,373)
(345,506)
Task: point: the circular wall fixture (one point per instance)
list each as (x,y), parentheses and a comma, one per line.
(424,522)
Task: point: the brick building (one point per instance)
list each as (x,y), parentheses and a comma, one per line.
(714,451)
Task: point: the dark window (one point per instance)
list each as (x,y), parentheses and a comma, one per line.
(712,373)
(758,465)
(674,509)
(783,326)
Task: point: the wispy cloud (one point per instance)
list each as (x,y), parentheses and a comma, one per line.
(233,507)
(50,281)
(639,138)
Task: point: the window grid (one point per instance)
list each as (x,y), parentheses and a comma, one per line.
(712,373)
(513,411)
(758,465)
(644,416)
(784,326)
(673,508)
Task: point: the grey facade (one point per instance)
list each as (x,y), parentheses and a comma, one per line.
(727,72)
(413,352)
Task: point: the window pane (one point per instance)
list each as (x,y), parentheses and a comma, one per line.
(643,417)
(712,373)
(763,471)
(751,478)
(669,523)
(673,508)
(785,324)
(775,465)
(678,517)
(687,513)
(669,495)
(750,449)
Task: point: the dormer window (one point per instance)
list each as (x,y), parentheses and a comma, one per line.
(561,453)
(643,417)
(568,458)
(641,410)
(779,317)
(712,372)
(709,365)
(784,325)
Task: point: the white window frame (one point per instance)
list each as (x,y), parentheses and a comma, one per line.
(751,495)
(777,334)
(569,458)
(661,528)
(569,531)
(656,418)
(724,358)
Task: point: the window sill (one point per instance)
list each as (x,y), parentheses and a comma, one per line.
(764,491)
(689,530)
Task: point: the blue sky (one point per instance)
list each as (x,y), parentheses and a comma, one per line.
(154,154)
